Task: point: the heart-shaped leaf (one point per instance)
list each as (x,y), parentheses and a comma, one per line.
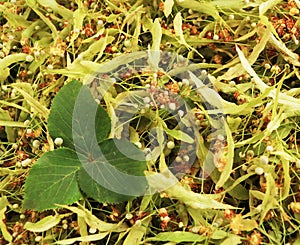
(109,171)
(52,180)
(60,118)
(115,176)
(74,108)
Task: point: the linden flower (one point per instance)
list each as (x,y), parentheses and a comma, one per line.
(29,58)
(129,216)
(269,148)
(295,206)
(186,158)
(264,159)
(92,230)
(170,145)
(26,123)
(36,144)
(181,113)
(231,17)
(58,141)
(216,37)
(259,171)
(138,144)
(172,106)
(26,162)
(59,49)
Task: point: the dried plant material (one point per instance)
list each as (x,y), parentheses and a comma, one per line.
(205,92)
(168,5)
(238,69)
(265,6)
(238,224)
(287,54)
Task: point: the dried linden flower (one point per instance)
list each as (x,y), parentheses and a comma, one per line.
(58,141)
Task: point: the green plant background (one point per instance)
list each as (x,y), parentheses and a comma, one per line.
(250,51)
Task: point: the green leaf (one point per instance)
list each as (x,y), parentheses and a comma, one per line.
(43,225)
(290,56)
(233,187)
(177,237)
(290,103)
(88,120)
(60,118)
(7,61)
(118,166)
(230,5)
(116,171)
(133,15)
(52,180)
